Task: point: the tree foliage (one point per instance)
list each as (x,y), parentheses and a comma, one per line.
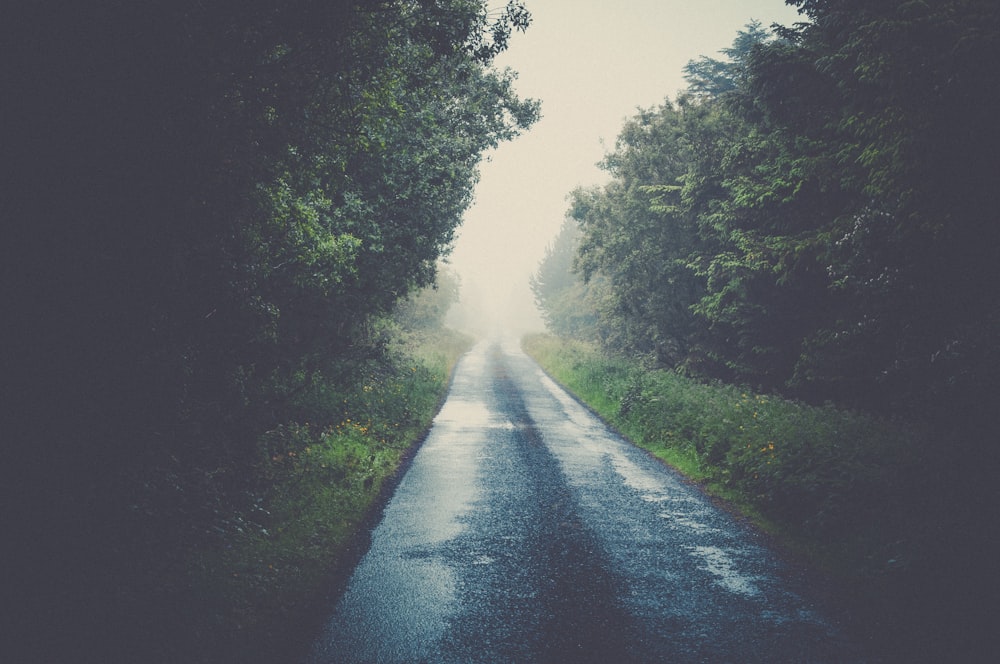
(815,214)
(206,206)
(879,150)
(567,304)
(225,193)
(712,77)
(427,308)
(638,239)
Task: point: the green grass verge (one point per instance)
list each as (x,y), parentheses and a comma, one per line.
(260,588)
(869,501)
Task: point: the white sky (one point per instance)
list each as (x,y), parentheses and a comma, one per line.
(592,63)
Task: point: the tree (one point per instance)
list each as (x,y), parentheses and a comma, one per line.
(710,77)
(206,205)
(561,296)
(637,237)
(812,217)
(882,102)
(427,308)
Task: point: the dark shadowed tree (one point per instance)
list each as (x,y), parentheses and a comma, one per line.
(205,206)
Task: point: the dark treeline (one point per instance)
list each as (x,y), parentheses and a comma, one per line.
(814,216)
(205,208)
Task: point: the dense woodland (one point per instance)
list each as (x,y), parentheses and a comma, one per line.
(814,216)
(208,208)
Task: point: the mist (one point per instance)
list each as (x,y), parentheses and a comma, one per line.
(592,64)
(495,310)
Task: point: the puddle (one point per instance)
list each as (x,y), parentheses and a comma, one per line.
(574,411)
(721,565)
(649,485)
(465,412)
(689,523)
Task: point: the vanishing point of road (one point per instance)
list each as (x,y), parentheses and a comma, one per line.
(526,531)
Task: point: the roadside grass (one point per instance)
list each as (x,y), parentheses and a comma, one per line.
(868,501)
(262,588)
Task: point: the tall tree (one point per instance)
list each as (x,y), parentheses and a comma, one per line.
(883,103)
(711,77)
(566,303)
(638,238)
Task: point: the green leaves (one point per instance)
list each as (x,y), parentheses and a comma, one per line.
(637,236)
(709,77)
(568,305)
(798,220)
(243,187)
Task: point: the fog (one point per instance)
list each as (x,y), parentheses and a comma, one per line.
(592,63)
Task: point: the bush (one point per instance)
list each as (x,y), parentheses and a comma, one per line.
(809,469)
(255,590)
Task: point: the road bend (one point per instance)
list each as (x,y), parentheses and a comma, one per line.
(526,531)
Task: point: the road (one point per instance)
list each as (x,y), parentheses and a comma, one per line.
(526,531)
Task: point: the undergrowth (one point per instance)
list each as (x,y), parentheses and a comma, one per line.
(261,585)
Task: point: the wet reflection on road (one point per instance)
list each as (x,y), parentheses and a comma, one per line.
(526,531)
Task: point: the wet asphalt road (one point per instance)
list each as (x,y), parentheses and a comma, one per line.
(526,531)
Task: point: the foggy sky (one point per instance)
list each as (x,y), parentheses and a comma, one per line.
(592,63)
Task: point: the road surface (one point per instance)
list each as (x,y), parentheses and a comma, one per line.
(526,531)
